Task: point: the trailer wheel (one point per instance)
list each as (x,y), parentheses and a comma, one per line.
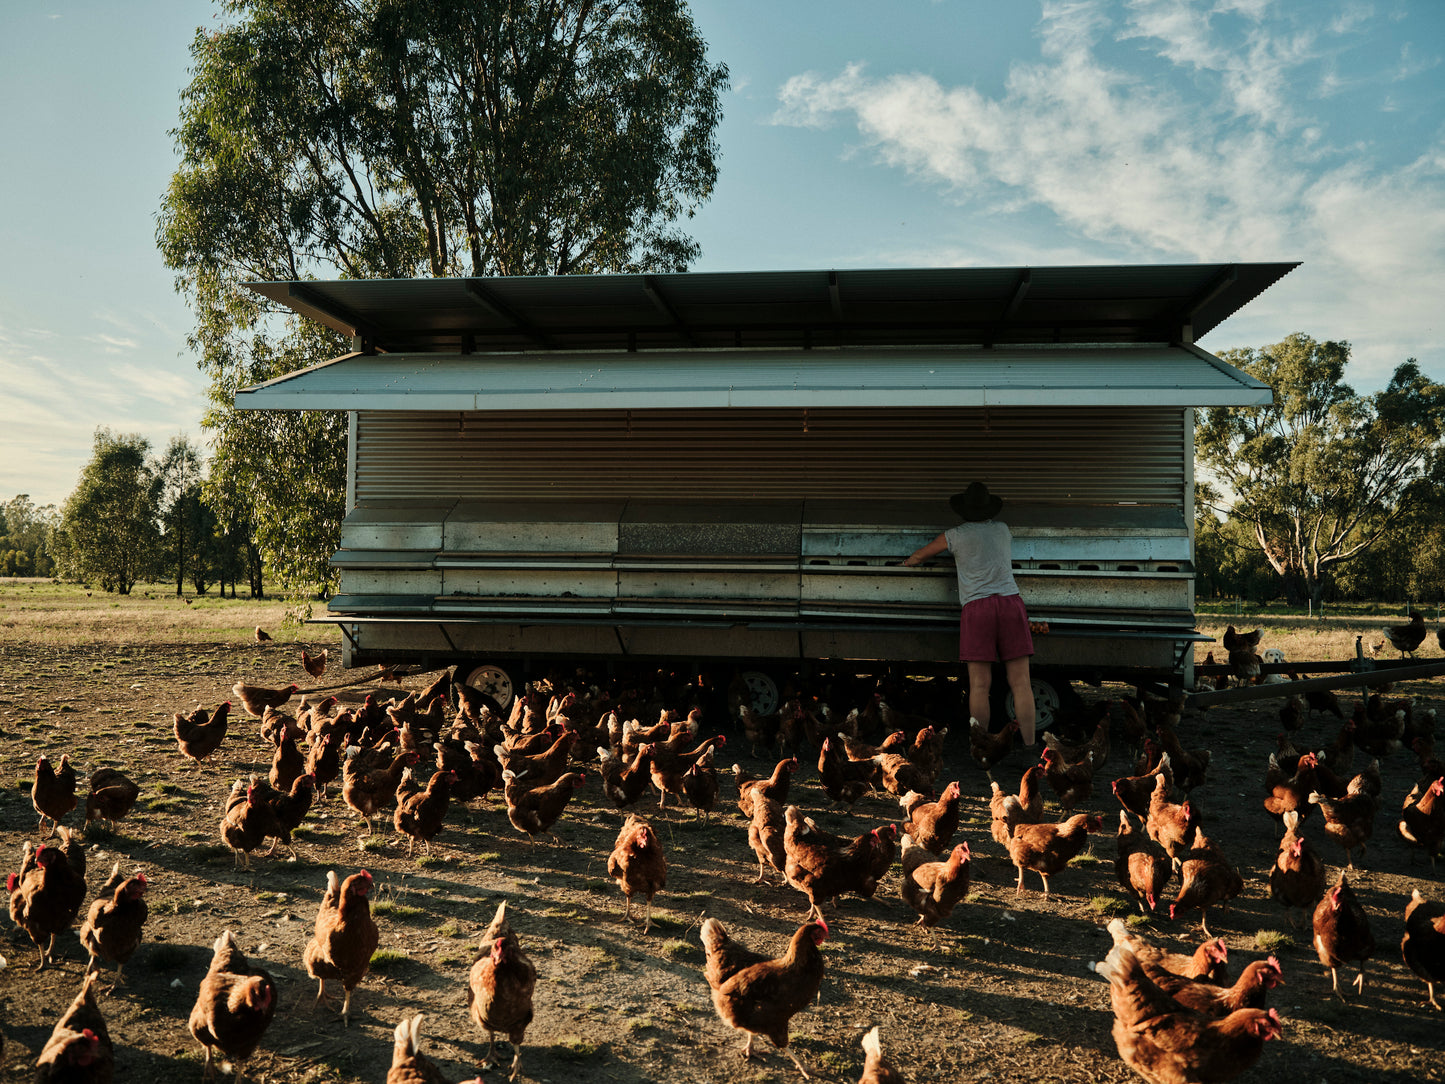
(494,681)
(762,691)
(1047,703)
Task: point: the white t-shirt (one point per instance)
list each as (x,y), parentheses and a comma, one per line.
(983,555)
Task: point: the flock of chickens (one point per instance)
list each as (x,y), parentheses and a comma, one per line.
(1176,1019)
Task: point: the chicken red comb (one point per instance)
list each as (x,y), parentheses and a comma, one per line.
(11,881)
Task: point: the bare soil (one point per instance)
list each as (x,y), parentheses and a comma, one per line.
(1003,990)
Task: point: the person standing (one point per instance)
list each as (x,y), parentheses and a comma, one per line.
(993,625)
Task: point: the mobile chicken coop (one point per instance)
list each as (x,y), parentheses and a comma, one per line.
(699,469)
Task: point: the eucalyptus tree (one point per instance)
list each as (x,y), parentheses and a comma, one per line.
(108,530)
(1323,474)
(403,138)
(179,475)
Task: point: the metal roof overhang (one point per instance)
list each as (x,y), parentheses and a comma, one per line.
(983,306)
(1130,375)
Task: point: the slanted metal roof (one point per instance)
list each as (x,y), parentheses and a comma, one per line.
(785,309)
(1126,375)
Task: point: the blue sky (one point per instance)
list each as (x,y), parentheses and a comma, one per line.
(857,134)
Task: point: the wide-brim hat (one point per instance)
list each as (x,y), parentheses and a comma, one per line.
(976,502)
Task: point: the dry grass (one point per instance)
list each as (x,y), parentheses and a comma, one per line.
(41,612)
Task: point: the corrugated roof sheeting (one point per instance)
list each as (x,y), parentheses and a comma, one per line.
(1122,303)
(1103,456)
(1113,376)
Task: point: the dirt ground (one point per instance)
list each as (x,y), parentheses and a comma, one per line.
(1003,990)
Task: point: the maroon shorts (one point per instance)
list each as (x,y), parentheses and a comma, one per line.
(994,629)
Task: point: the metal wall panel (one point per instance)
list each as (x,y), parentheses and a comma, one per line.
(1030,454)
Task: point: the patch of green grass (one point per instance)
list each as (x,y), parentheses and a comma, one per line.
(373,844)
(450,928)
(680,950)
(270,897)
(1273,941)
(599,887)
(640,1023)
(1108,905)
(1088,858)
(483,856)
(599,959)
(452,961)
(195,837)
(210,851)
(95,832)
(384,960)
(569,913)
(573,1048)
(432,861)
(392,909)
(834,1064)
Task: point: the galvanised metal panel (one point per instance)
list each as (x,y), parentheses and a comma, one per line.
(1157,375)
(392,525)
(371,581)
(534,527)
(1049,455)
(534,583)
(756,585)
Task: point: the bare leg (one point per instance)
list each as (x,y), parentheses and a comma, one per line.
(1017,671)
(980,679)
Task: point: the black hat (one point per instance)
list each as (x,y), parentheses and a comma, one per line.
(976,503)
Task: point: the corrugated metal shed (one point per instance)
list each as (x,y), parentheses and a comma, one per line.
(789,309)
(934,377)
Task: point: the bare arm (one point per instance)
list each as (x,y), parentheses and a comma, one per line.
(923,553)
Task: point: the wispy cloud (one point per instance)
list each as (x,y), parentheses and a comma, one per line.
(1220,160)
(112,344)
(54,406)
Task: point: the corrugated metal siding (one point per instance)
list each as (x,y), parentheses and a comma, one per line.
(1087,456)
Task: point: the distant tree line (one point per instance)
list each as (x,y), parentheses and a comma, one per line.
(25,537)
(136,517)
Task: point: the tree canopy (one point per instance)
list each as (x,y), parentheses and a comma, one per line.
(1322,474)
(109,530)
(398,138)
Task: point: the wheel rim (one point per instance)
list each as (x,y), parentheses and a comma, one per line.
(494,681)
(1046,704)
(762,691)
